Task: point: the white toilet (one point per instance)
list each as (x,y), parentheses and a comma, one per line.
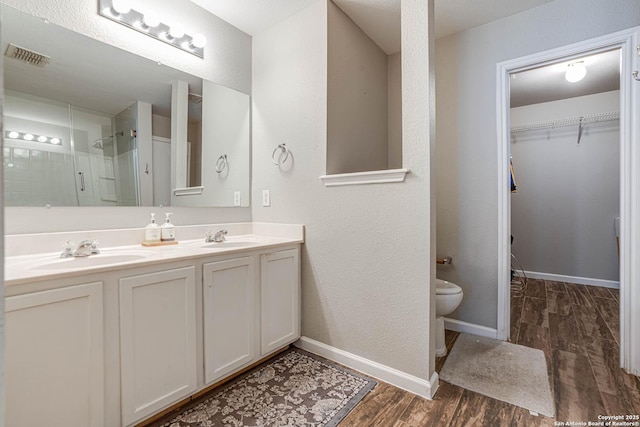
(448,298)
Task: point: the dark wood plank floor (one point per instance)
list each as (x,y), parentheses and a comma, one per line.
(577,328)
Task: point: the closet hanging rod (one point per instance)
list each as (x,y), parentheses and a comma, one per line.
(572,121)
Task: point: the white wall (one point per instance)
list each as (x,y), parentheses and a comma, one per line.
(562,216)
(466,119)
(357,100)
(366,267)
(227,61)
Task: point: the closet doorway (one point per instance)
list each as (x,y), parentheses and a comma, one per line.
(574,171)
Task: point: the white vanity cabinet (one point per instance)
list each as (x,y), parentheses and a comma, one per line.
(279,299)
(110,346)
(231,315)
(157,341)
(54,371)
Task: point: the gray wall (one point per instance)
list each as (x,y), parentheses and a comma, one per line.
(562,216)
(467,211)
(365,265)
(357,98)
(394,98)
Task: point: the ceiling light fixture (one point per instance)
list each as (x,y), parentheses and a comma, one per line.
(25,136)
(149,23)
(575,72)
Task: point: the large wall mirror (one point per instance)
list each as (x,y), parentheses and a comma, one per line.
(94,125)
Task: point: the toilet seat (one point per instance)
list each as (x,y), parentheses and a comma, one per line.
(447,288)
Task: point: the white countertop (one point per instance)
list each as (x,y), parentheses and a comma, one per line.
(22,269)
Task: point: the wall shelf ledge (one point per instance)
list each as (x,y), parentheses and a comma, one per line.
(369,177)
(188,191)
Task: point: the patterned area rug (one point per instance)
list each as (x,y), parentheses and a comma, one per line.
(294,389)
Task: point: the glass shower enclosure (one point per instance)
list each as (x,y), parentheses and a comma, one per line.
(62,155)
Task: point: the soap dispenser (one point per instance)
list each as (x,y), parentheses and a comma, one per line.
(168,230)
(152,231)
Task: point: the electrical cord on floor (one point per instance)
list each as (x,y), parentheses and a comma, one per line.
(519,282)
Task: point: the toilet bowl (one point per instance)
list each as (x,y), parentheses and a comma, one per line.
(448,298)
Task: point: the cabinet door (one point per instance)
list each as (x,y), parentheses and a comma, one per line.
(157,341)
(54,372)
(230,316)
(280,299)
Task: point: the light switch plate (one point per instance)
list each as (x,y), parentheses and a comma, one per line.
(266,198)
(236,198)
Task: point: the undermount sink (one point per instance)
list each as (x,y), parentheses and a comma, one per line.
(105,258)
(229,243)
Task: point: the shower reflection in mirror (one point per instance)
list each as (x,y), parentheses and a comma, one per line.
(59,154)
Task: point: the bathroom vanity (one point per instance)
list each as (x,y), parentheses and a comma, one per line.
(114,338)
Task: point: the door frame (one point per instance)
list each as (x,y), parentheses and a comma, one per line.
(627,42)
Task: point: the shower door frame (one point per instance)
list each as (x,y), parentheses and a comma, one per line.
(628,43)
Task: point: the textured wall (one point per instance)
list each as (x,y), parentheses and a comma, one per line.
(562,216)
(227,61)
(466,120)
(365,264)
(394,90)
(357,98)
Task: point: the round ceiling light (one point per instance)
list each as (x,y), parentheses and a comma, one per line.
(575,72)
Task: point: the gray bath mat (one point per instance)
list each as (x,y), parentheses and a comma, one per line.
(512,373)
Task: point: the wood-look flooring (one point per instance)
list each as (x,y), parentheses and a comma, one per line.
(576,326)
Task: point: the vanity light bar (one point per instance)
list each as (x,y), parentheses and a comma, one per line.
(149,24)
(26,136)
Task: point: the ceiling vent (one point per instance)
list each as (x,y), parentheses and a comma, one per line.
(26,55)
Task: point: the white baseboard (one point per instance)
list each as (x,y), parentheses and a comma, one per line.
(408,382)
(573,279)
(470,328)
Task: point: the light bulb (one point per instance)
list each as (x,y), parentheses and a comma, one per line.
(151,20)
(42,138)
(199,41)
(575,72)
(120,6)
(55,141)
(27,137)
(13,134)
(176,31)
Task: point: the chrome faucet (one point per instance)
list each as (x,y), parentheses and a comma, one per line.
(218,237)
(85,248)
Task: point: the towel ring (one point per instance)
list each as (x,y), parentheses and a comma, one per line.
(283,150)
(222,163)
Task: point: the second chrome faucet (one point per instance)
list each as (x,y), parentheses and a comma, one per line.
(218,237)
(84,248)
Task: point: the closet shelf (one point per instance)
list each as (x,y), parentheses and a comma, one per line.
(573,121)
